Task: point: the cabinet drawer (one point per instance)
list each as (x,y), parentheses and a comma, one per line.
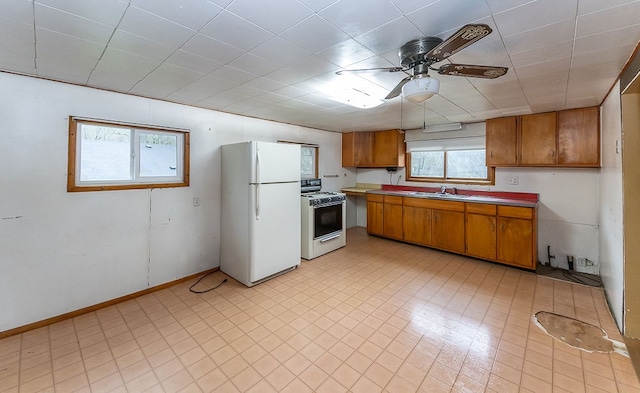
(515,212)
(481,208)
(434,204)
(392,199)
(375,198)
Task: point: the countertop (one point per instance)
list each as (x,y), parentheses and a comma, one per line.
(468,196)
(361,188)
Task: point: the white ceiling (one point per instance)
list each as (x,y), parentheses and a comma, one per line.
(271,59)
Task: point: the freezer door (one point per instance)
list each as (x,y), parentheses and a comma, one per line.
(274,230)
(275,163)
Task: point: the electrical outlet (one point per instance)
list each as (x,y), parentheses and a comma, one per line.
(582,261)
(196,201)
(514,181)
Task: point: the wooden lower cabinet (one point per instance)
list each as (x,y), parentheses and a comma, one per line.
(447,230)
(499,233)
(392,217)
(416,221)
(517,236)
(375,214)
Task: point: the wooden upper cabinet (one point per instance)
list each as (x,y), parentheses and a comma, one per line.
(538,139)
(357,148)
(377,149)
(579,137)
(502,141)
(388,148)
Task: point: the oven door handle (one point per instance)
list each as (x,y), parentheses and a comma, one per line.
(326,239)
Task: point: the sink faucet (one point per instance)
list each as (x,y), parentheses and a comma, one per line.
(443,190)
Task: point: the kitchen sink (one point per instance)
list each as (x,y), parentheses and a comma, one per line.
(437,195)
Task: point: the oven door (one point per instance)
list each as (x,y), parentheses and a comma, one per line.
(327,219)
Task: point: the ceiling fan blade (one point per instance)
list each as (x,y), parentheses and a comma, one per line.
(476,71)
(464,37)
(371,70)
(398,89)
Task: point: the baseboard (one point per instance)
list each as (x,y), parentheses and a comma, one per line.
(73,314)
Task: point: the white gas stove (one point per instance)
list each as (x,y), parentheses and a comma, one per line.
(323,219)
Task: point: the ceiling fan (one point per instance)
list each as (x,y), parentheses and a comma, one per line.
(420,54)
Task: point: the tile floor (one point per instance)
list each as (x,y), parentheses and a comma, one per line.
(375,316)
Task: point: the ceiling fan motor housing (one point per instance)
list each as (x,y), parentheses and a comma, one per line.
(412,53)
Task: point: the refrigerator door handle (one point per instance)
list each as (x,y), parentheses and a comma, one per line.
(258,201)
(257,184)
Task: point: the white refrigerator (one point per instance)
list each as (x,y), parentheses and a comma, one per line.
(260,217)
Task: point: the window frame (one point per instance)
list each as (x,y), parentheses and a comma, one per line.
(489,180)
(141,182)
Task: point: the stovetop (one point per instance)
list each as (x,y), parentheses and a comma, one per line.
(317,198)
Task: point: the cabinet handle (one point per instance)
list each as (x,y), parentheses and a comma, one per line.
(491,153)
(493,227)
(552,152)
(502,227)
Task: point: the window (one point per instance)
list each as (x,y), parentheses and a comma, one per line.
(461,160)
(308,162)
(112,156)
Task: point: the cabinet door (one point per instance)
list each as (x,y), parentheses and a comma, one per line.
(357,149)
(392,217)
(538,139)
(515,242)
(375,215)
(481,236)
(388,148)
(502,146)
(447,230)
(579,137)
(416,222)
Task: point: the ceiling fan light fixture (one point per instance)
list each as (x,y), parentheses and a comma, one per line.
(419,90)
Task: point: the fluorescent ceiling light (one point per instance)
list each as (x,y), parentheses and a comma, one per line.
(356,91)
(420,89)
(443,127)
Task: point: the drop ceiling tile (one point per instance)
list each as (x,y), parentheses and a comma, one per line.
(274,16)
(608,19)
(17,63)
(165,80)
(280,51)
(290,92)
(212,49)
(317,5)
(312,66)
(17,38)
(52,68)
(264,84)
(235,31)
(143,46)
(125,65)
(193,62)
(354,19)
(588,6)
(63,22)
(314,34)
(613,56)
(440,17)
(18,11)
(286,76)
(540,37)
(620,37)
(145,24)
(106,12)
(110,81)
(407,6)
(254,64)
(346,53)
(390,36)
(193,14)
(191,93)
(231,74)
(535,14)
(498,6)
(539,55)
(221,3)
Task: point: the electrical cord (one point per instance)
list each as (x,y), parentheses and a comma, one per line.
(206,290)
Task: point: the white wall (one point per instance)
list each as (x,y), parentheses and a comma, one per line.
(62,251)
(568,211)
(611,228)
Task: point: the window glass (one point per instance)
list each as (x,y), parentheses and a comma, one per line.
(158,154)
(427,164)
(466,164)
(308,162)
(105,153)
